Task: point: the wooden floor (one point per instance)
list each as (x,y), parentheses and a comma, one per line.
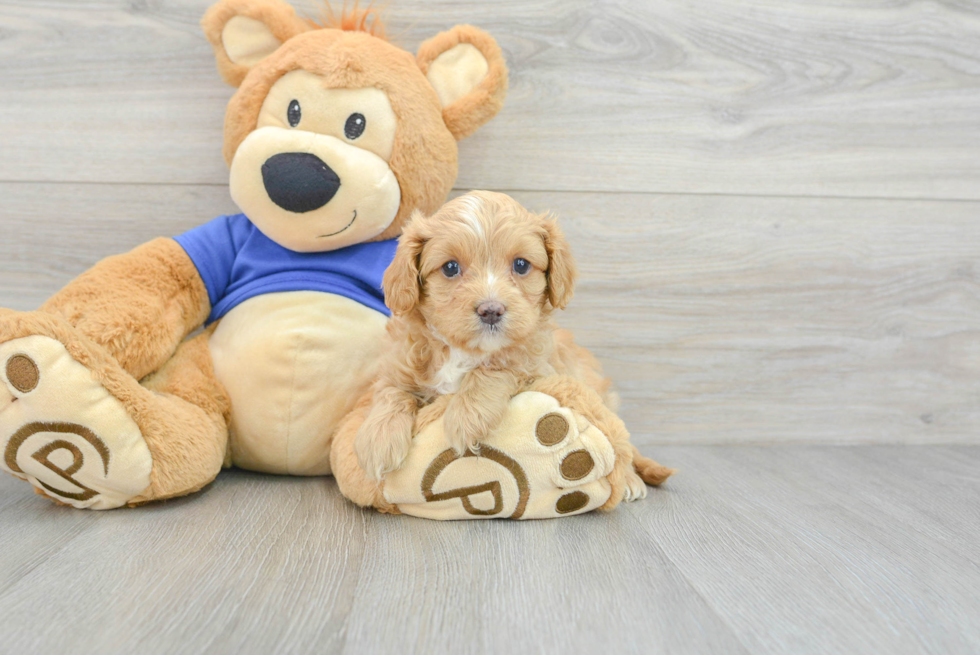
(775,207)
(789,549)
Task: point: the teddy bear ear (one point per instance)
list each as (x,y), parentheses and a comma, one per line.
(466,68)
(244,32)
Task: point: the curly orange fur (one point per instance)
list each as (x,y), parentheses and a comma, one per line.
(437,343)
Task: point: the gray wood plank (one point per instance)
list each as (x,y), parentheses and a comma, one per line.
(897,485)
(254,564)
(53,232)
(32,532)
(723,319)
(790,549)
(809,98)
(788,553)
(487,587)
(763,320)
(262,564)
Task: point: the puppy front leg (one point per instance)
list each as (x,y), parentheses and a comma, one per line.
(383,440)
(478,407)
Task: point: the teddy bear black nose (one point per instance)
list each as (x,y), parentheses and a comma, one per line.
(298,181)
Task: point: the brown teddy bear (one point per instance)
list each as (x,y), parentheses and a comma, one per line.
(333,138)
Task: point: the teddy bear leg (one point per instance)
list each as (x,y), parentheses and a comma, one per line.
(351,478)
(84,432)
(191,446)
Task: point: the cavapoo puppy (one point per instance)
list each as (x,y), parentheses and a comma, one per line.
(471,290)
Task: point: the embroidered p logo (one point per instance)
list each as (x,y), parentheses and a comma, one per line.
(42,455)
(447,457)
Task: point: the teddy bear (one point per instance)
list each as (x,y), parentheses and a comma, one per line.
(247,340)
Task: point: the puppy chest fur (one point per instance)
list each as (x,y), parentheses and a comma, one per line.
(450,375)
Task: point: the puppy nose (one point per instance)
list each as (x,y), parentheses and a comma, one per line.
(490,312)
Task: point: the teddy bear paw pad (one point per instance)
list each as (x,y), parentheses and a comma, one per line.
(543,461)
(63,431)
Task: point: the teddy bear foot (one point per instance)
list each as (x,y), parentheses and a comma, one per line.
(63,431)
(543,461)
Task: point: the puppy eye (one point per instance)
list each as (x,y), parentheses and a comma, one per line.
(450,268)
(522,266)
(294,113)
(355,126)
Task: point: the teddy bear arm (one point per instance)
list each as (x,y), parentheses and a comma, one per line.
(139,305)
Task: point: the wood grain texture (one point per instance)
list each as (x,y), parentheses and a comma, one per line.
(251,563)
(768,97)
(721,319)
(818,550)
(724,319)
(765,550)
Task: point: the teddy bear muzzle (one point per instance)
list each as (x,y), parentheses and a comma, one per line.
(299,182)
(312,192)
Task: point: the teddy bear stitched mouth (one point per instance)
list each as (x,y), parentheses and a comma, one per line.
(299,182)
(353,218)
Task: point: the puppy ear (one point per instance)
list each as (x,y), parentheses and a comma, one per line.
(244,32)
(466,68)
(561,266)
(402,281)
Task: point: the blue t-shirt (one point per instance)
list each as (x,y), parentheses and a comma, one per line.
(238,262)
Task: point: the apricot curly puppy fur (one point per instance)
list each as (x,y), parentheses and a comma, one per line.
(472,289)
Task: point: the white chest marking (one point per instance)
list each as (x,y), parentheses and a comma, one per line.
(449,377)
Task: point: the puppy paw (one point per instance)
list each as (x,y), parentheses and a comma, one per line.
(464,429)
(460,442)
(382,443)
(634,487)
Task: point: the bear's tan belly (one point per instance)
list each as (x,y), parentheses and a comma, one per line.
(293,363)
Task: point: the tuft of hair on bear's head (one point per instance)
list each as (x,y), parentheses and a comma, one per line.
(369,20)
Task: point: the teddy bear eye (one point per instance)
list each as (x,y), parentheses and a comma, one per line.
(294,113)
(521,266)
(450,268)
(355,126)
